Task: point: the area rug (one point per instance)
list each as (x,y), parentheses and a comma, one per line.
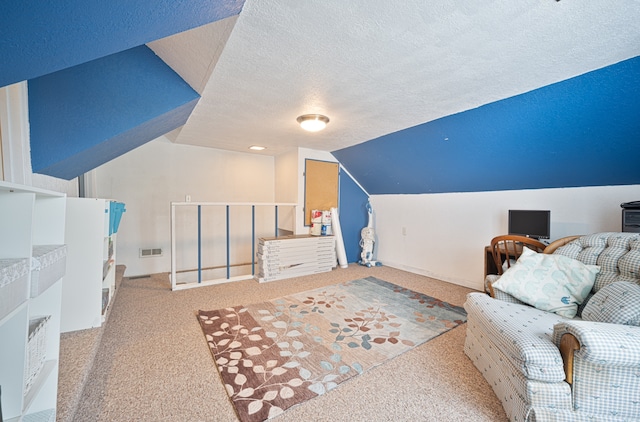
(283,352)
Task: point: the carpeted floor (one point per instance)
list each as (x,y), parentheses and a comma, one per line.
(153,363)
(277,354)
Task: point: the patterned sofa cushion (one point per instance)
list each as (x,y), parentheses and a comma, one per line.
(617,255)
(617,303)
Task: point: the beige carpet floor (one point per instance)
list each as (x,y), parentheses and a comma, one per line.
(153,364)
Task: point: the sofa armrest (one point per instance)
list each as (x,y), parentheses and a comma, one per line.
(551,247)
(601,343)
(497,293)
(488,284)
(568,345)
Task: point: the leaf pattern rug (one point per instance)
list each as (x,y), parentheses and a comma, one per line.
(280,353)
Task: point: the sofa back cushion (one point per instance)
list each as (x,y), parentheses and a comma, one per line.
(617,303)
(617,255)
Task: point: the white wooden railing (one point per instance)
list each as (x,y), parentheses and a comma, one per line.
(236,227)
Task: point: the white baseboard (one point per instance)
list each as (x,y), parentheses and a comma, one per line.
(421,271)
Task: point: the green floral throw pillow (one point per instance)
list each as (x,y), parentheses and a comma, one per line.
(553,283)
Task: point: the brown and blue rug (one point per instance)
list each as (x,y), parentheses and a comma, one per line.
(280,353)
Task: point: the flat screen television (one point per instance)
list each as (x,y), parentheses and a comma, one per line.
(531,223)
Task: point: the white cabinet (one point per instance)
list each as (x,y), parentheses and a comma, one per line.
(91,253)
(30,291)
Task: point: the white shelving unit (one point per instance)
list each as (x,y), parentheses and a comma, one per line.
(90,282)
(29,216)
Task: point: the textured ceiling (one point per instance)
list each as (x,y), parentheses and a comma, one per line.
(376,67)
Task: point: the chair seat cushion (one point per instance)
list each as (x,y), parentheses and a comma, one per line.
(522,333)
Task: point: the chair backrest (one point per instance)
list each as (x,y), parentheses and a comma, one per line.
(506,249)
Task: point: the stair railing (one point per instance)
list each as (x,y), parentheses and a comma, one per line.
(181,285)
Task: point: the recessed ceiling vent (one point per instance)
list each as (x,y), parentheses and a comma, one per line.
(147,253)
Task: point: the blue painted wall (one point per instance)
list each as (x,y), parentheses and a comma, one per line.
(40,37)
(584,131)
(86,115)
(353,215)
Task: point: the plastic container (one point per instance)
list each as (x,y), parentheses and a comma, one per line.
(115,215)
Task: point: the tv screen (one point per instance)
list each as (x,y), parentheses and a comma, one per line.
(531,223)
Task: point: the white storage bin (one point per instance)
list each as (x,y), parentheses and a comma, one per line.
(48,265)
(48,415)
(36,350)
(14,284)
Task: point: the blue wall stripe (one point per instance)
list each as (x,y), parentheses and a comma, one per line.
(41,37)
(584,131)
(353,215)
(86,115)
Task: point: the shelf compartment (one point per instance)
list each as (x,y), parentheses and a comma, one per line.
(106,297)
(14,284)
(106,267)
(38,382)
(48,265)
(48,415)
(36,350)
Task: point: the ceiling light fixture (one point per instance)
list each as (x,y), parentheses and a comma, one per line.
(257,148)
(313,122)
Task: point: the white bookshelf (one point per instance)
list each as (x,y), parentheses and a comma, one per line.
(29,216)
(91,255)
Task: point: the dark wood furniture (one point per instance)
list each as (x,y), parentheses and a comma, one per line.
(504,250)
(506,247)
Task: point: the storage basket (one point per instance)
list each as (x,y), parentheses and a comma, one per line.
(14,284)
(48,265)
(48,415)
(36,350)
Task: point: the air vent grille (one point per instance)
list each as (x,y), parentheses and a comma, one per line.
(147,253)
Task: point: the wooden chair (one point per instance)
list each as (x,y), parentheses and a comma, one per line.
(506,249)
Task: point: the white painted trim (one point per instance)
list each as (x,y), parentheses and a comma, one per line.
(246,204)
(90,184)
(1,155)
(173,248)
(441,277)
(184,286)
(354,180)
(14,124)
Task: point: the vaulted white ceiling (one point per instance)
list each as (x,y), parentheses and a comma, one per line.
(376,67)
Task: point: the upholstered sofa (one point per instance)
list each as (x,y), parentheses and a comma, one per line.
(544,366)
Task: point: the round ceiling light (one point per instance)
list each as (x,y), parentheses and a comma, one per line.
(313,122)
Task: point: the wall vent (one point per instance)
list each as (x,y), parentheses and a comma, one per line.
(147,253)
